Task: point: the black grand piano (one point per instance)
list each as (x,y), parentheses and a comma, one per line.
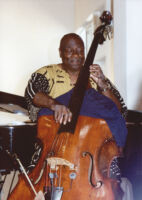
(18,135)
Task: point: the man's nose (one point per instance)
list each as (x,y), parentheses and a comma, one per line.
(75,53)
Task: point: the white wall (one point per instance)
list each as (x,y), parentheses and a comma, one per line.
(83,8)
(30,31)
(120,46)
(134,54)
(30,35)
(128,51)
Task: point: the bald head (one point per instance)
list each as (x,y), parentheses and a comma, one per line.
(68,37)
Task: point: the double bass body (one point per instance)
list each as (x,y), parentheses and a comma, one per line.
(76,162)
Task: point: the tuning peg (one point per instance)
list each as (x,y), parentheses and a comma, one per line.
(106,17)
(108,32)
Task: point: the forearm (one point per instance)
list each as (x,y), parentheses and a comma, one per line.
(111,91)
(106,88)
(43,100)
(109,94)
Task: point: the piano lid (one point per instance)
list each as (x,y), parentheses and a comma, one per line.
(8,98)
(9,119)
(13,110)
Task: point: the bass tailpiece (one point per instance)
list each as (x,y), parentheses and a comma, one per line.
(53,193)
(55,168)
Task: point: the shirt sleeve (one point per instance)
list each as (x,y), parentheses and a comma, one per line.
(37,83)
(116,93)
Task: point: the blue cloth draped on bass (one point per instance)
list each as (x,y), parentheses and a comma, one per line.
(98,106)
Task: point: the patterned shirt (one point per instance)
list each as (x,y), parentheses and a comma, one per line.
(55,81)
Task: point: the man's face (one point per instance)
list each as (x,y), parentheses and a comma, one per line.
(72,54)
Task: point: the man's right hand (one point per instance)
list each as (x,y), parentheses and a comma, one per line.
(62,114)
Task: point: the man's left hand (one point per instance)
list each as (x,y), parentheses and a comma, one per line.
(97,75)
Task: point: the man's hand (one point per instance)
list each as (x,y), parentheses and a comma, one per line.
(61,113)
(97,75)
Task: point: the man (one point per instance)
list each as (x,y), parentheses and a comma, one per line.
(52,81)
(49,82)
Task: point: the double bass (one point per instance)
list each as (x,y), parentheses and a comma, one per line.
(76,157)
